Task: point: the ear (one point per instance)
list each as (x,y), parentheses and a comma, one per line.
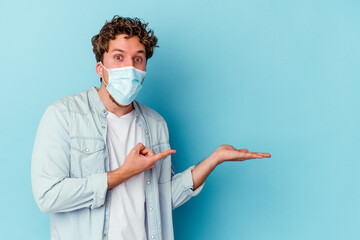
(99,69)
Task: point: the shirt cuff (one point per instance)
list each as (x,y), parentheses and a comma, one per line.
(99,183)
(188,183)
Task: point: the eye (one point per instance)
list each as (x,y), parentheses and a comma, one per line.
(138,59)
(118,57)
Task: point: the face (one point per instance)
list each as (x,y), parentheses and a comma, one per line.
(122,53)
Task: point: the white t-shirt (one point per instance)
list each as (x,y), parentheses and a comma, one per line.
(127,208)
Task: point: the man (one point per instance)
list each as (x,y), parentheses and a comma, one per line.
(101,163)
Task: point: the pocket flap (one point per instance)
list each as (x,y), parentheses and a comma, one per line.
(87,145)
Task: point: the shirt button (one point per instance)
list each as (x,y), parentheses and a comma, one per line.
(148,182)
(150,209)
(103,127)
(106,205)
(152,236)
(104,111)
(146,132)
(104,234)
(86,150)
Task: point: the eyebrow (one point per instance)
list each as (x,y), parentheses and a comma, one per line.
(120,50)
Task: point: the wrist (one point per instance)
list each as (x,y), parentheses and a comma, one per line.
(124,172)
(215,159)
(117,176)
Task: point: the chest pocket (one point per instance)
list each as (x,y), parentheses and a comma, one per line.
(163,166)
(87,156)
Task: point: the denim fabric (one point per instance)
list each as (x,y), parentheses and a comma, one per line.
(69,169)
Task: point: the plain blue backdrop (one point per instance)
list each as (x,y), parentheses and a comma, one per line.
(271,76)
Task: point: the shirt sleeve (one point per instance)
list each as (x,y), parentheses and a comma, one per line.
(53,188)
(182,187)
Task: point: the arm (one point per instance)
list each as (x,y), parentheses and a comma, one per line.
(189,183)
(53,189)
(223,153)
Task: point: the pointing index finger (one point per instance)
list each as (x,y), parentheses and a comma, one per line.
(161,155)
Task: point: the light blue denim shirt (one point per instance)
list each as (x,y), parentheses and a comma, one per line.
(69,169)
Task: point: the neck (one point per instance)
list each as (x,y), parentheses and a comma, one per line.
(117,109)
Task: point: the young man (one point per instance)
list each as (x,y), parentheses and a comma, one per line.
(101,163)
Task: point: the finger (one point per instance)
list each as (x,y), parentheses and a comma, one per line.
(243,154)
(144,151)
(161,155)
(148,152)
(139,147)
(244,159)
(243,150)
(267,155)
(248,158)
(252,155)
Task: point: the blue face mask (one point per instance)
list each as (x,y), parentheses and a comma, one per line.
(124,83)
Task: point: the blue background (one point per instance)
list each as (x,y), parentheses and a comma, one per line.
(271,76)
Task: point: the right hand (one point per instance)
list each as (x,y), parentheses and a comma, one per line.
(141,159)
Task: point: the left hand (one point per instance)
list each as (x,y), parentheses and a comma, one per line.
(229,153)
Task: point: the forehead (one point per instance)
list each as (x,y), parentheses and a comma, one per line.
(126,44)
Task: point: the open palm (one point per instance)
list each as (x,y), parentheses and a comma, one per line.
(229,153)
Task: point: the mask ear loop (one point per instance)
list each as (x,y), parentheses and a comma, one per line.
(104,82)
(102,77)
(103,66)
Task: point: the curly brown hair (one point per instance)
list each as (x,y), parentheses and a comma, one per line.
(123,25)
